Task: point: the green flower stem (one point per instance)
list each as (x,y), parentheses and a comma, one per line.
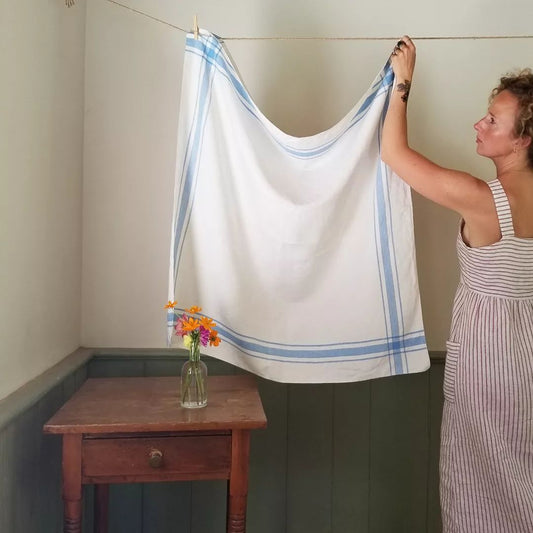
(195,371)
(199,381)
(194,350)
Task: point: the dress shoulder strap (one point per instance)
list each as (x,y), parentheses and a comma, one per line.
(503,208)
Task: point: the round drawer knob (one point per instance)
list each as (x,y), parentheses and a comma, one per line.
(155,458)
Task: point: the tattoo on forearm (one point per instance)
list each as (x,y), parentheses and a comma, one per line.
(404,88)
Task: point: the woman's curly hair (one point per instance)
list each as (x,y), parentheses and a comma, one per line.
(520,84)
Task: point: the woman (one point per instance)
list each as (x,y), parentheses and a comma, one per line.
(486,462)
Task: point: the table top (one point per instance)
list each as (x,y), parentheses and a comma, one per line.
(152,404)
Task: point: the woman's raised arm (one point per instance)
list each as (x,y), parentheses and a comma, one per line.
(456,190)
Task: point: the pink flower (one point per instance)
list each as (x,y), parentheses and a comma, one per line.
(204,336)
(179,325)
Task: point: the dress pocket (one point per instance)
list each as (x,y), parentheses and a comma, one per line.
(450,370)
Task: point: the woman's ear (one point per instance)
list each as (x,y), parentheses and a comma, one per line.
(524,141)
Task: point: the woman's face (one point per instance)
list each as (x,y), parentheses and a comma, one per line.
(496,136)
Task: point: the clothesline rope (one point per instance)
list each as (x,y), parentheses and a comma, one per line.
(294,38)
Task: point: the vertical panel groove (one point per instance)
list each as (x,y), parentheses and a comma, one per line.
(370,433)
(428,461)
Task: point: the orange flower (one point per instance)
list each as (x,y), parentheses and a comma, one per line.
(194,309)
(190,325)
(207,323)
(171,305)
(214,339)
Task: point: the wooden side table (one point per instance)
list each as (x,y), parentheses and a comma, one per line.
(130,430)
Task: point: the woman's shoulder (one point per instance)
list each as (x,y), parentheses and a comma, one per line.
(519,191)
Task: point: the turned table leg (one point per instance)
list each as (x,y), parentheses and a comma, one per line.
(238,482)
(71,467)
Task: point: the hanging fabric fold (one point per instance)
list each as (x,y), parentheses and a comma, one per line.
(301,249)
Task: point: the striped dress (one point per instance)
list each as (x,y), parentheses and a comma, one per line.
(486,458)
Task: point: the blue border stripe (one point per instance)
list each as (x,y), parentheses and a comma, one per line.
(389,278)
(318,359)
(383,349)
(348,350)
(191,161)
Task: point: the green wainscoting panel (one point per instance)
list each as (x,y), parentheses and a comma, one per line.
(88,508)
(436,400)
(208,506)
(166,507)
(47,460)
(30,470)
(267,497)
(309,466)
(126,501)
(118,366)
(6,482)
(30,462)
(343,458)
(351,457)
(399,454)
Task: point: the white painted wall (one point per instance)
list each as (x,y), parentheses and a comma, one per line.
(41,132)
(133,75)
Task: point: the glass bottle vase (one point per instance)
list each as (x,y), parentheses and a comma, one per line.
(194,380)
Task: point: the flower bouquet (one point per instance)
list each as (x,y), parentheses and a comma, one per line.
(195,330)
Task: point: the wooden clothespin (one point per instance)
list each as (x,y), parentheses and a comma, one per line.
(195,27)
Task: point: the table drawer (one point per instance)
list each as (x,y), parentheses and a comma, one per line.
(157,458)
